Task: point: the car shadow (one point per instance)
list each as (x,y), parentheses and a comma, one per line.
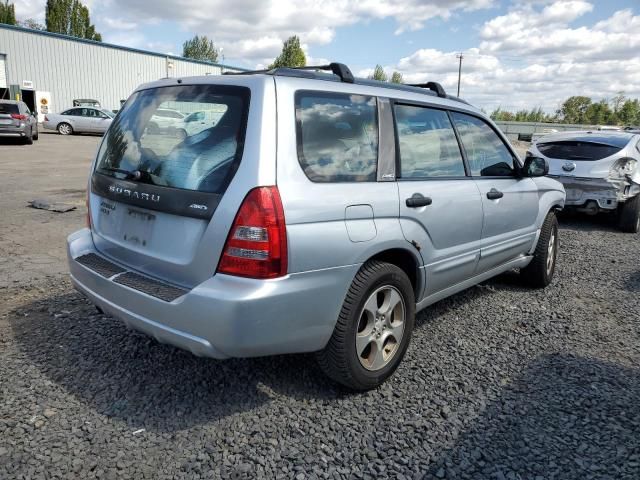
(565,417)
(12,141)
(91,356)
(603,222)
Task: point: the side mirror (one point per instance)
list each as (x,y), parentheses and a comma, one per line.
(535,167)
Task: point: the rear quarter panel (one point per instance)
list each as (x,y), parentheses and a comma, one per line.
(324,230)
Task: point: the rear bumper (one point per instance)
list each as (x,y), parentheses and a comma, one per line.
(604,192)
(13,132)
(225,316)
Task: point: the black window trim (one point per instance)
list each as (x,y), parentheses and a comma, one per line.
(411,103)
(334,94)
(456,108)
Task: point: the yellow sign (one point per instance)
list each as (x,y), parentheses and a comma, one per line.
(44,101)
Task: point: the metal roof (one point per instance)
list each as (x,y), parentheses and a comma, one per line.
(115,47)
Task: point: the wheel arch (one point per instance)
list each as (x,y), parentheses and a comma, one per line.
(408,262)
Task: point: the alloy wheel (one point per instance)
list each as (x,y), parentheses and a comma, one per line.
(380,328)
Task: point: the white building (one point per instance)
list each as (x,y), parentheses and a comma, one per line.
(48,70)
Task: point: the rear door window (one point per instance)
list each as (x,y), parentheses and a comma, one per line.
(487,154)
(428,144)
(202,159)
(337,136)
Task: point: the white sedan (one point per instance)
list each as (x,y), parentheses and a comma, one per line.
(79,120)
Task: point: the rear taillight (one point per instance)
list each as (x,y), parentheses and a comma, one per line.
(257,243)
(88,219)
(17,116)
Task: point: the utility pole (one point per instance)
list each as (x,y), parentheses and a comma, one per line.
(460,56)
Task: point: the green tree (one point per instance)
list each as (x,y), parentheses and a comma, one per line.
(292,54)
(7,13)
(200,48)
(574,109)
(396,77)
(600,113)
(32,24)
(70,17)
(629,113)
(379,74)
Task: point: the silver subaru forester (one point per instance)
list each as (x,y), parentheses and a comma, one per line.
(315,212)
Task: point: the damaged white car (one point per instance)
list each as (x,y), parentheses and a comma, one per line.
(599,170)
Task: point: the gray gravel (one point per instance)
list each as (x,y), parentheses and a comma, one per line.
(500,382)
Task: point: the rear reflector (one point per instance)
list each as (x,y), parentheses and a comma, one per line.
(257,243)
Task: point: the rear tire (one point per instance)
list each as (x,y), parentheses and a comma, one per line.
(539,273)
(28,140)
(373,330)
(36,135)
(65,129)
(629,217)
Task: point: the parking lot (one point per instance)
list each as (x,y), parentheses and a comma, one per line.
(500,381)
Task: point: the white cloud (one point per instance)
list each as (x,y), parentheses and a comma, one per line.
(532,56)
(535,53)
(239,25)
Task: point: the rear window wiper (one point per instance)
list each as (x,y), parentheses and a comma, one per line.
(129,174)
(137,175)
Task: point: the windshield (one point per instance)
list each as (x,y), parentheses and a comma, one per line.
(200,156)
(577,150)
(108,113)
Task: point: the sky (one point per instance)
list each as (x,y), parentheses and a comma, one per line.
(516,53)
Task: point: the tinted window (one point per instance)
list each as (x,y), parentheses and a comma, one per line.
(428,145)
(76,112)
(337,136)
(9,108)
(203,158)
(487,154)
(576,150)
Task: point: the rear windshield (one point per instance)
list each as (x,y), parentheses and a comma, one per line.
(576,150)
(200,154)
(8,108)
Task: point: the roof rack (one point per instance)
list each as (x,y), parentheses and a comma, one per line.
(344,74)
(433,86)
(339,69)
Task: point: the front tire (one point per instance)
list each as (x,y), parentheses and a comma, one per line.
(373,330)
(539,273)
(629,219)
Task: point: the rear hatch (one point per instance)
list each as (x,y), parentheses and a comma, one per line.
(9,116)
(580,156)
(155,192)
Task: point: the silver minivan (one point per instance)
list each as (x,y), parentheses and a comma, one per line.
(319,213)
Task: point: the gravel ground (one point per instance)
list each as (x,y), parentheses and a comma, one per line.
(500,382)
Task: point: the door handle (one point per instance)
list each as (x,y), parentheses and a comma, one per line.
(494,194)
(418,200)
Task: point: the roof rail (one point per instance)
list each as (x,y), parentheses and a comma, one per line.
(433,86)
(339,69)
(343,73)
